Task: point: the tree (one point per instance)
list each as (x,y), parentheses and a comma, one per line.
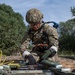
(67,35)
(12,29)
(73,11)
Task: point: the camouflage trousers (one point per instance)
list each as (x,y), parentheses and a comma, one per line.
(38,52)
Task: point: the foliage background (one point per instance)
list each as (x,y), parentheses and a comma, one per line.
(67,35)
(12,29)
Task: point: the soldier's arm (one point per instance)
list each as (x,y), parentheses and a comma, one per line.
(24,43)
(53,42)
(52,35)
(24,38)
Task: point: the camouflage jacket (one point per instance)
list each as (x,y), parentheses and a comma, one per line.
(46,34)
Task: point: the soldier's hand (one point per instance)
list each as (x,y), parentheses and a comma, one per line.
(25,53)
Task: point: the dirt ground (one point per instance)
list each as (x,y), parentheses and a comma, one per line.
(66,63)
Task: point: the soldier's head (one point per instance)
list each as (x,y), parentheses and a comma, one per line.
(34,18)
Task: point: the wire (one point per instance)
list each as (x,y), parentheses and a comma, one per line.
(1,63)
(11,63)
(0,55)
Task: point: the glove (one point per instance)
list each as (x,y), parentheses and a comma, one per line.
(53,50)
(27,55)
(50,53)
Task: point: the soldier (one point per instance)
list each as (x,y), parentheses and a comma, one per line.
(43,36)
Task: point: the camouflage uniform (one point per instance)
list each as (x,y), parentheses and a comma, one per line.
(47,35)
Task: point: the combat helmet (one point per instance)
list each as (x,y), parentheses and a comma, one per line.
(33,15)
